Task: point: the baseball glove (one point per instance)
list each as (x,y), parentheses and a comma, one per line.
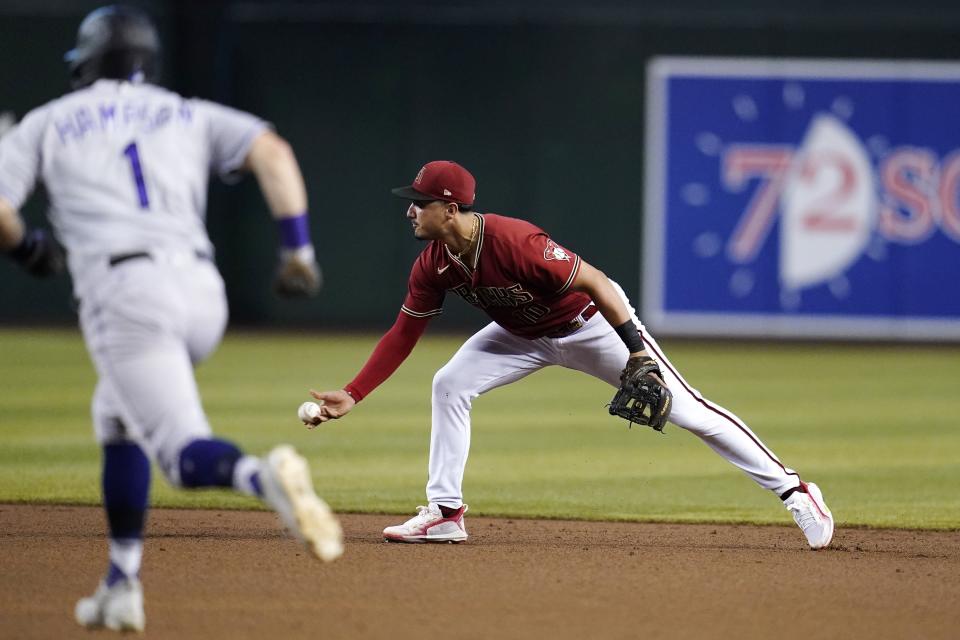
(298,274)
(642,398)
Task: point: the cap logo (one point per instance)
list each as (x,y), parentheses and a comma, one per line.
(419,175)
(447,192)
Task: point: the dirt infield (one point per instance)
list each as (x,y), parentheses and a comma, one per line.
(232,574)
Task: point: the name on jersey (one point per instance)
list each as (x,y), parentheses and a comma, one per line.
(112,115)
(485,297)
(525,309)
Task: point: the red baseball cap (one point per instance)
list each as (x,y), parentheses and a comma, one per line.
(441,180)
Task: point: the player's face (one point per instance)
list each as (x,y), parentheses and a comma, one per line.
(426,218)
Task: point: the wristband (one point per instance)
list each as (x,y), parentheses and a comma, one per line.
(630,335)
(294,232)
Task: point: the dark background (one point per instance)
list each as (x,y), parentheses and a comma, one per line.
(542,101)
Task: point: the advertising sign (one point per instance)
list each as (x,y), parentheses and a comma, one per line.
(807,198)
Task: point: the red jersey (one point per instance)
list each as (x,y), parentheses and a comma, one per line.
(522,279)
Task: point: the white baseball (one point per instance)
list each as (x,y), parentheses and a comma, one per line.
(308,412)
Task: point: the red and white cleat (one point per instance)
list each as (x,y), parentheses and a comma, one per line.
(429,525)
(812,515)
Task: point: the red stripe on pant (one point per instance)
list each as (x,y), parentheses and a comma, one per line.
(663,360)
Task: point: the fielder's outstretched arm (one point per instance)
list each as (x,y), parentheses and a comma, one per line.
(595,284)
(643,396)
(390,352)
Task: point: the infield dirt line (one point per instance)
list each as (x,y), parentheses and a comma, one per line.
(233,574)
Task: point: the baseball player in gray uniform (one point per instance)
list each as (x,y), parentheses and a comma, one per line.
(125,164)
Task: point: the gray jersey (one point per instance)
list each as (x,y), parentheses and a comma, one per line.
(125,166)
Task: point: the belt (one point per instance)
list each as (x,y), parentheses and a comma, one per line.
(116,259)
(581,319)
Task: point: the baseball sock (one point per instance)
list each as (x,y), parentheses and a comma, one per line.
(246,476)
(126,489)
(219,463)
(125,557)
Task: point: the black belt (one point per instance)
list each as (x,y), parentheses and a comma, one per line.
(123,257)
(136,255)
(575,324)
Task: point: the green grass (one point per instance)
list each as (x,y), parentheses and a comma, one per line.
(875,426)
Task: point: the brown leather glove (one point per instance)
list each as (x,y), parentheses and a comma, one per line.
(643,397)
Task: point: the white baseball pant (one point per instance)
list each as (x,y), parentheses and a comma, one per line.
(146,323)
(494,357)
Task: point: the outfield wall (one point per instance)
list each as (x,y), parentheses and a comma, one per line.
(545,104)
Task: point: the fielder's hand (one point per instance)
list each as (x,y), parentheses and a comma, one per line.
(643,396)
(298,274)
(336,404)
(39,254)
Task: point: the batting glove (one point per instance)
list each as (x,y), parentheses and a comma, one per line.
(39,254)
(298,274)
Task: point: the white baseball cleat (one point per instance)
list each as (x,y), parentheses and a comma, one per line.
(812,515)
(119,607)
(288,489)
(429,525)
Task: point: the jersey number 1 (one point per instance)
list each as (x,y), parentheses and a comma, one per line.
(134,157)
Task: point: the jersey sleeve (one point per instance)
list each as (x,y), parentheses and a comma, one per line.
(545,264)
(424,294)
(231,133)
(393,348)
(20,156)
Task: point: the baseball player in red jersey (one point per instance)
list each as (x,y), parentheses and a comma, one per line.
(549,307)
